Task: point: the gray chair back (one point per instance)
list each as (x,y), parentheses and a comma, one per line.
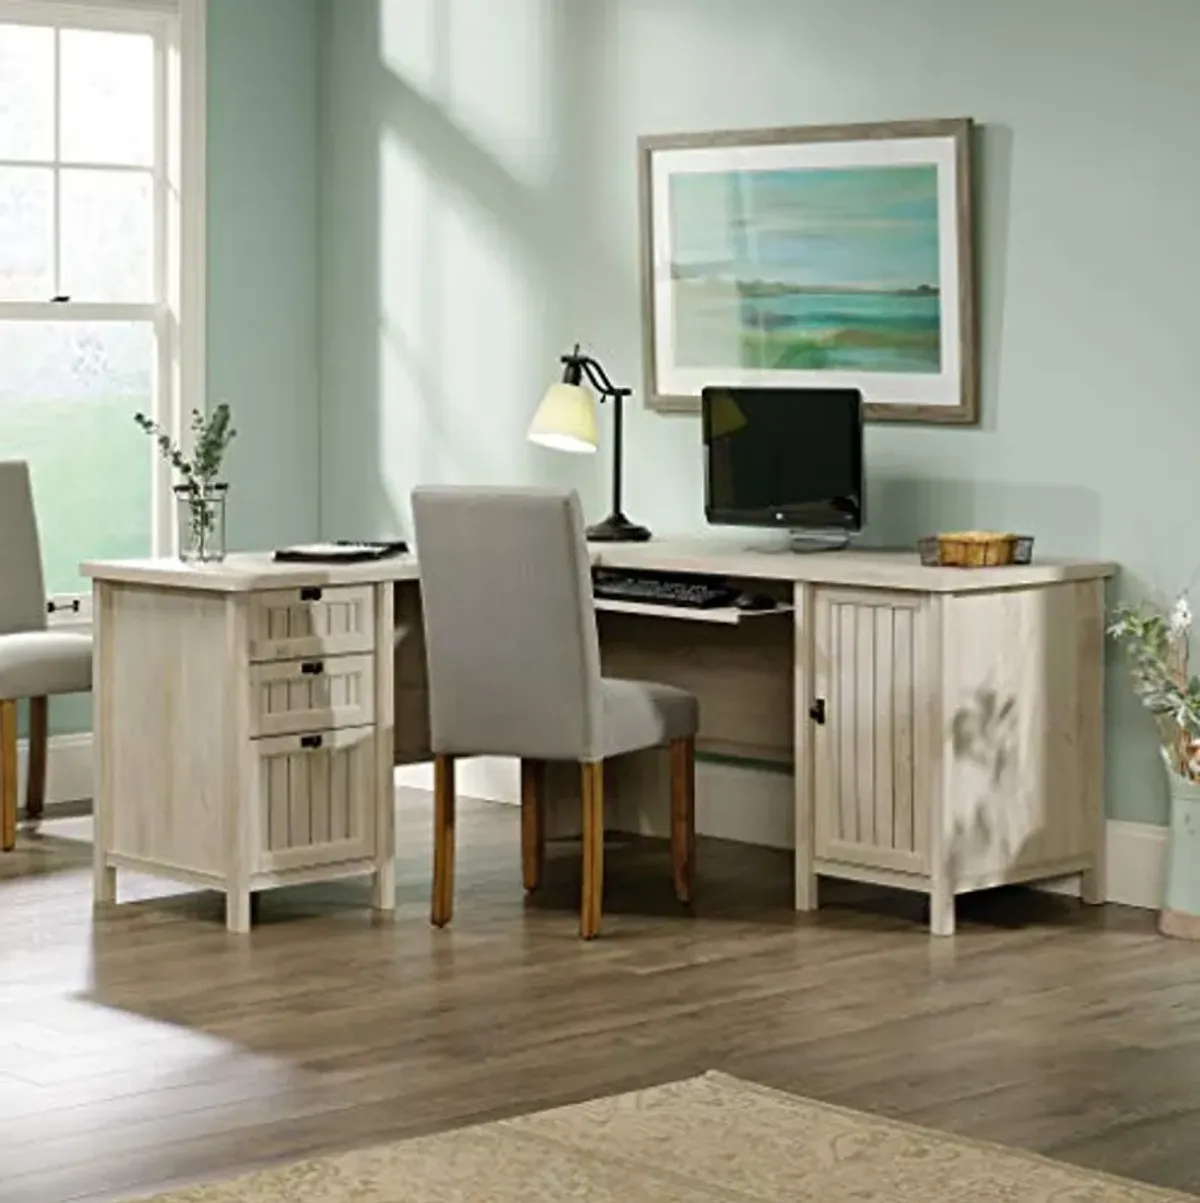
(22,592)
(510,625)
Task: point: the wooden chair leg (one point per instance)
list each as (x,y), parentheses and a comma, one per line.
(8,776)
(683,816)
(592,788)
(533,832)
(443,840)
(35,780)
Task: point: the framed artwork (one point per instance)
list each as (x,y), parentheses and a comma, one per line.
(817,256)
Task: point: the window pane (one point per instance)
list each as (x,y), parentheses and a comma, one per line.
(68,392)
(107,90)
(107,235)
(26,92)
(26,234)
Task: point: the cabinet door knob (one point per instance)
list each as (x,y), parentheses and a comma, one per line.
(311,741)
(312,668)
(310,593)
(816,711)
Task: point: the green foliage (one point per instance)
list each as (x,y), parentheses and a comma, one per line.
(212,433)
(1157,646)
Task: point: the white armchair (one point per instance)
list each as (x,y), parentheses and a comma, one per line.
(35,662)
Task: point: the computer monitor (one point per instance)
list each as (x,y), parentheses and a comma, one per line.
(784,457)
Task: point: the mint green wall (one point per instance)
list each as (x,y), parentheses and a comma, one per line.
(263,260)
(478,213)
(262,270)
(449,180)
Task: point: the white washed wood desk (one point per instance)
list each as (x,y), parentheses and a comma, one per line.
(244,724)
(944,728)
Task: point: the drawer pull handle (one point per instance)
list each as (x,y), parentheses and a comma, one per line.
(311,741)
(312,668)
(310,593)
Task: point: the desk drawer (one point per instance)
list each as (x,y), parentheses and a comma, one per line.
(316,797)
(294,624)
(321,693)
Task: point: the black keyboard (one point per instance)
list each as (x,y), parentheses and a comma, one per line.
(658,589)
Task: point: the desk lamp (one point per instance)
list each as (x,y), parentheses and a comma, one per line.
(566,421)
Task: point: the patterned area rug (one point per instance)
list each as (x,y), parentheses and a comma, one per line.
(705,1140)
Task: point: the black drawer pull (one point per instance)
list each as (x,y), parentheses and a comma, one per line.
(312,668)
(310,593)
(311,741)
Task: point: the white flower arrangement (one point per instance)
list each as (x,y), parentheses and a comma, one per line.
(1157,646)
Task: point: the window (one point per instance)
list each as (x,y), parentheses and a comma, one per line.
(96,187)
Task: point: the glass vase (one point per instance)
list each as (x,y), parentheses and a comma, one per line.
(201,516)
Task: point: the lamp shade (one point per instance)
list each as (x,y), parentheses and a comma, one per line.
(565,420)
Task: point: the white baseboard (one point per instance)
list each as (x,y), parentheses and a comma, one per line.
(68,768)
(489,778)
(1137,865)
(764,815)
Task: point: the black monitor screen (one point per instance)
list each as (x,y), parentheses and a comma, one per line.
(789,457)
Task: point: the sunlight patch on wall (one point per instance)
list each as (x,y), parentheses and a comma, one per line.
(492,79)
(460,362)
(410,37)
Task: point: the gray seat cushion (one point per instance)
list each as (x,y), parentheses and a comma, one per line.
(35,664)
(645,714)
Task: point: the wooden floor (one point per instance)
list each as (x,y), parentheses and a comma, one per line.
(147,1046)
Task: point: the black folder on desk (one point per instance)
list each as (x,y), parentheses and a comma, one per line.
(341,551)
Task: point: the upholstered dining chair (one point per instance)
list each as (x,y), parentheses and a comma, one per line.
(513,662)
(35,663)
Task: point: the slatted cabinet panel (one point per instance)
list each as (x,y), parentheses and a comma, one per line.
(870,801)
(290,624)
(308,695)
(315,797)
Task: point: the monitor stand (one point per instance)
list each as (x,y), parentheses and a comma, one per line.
(799,541)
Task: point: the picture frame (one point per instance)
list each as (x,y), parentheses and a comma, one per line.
(812,256)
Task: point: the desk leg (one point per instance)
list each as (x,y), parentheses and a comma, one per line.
(104,879)
(383,886)
(104,875)
(237,911)
(805,896)
(941,909)
(383,881)
(805,885)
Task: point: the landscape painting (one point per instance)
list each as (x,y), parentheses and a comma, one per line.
(780,259)
(821,268)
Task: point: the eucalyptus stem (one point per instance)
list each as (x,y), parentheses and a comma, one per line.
(199,473)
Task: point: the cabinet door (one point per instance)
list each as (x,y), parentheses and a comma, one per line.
(871,796)
(316,797)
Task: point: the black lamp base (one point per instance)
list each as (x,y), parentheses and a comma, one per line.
(616,528)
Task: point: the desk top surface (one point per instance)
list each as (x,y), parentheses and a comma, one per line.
(901,570)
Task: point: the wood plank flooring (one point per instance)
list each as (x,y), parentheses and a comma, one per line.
(146,1046)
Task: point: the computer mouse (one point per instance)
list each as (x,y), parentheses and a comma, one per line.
(755,601)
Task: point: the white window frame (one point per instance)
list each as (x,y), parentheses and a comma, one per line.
(179,27)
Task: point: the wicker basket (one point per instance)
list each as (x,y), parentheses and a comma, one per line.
(975,549)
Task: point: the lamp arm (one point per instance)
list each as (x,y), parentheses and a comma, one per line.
(599,378)
(576,364)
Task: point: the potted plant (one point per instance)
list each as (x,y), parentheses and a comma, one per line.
(200,494)
(1156,642)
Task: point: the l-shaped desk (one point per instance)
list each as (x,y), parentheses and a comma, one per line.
(944,727)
